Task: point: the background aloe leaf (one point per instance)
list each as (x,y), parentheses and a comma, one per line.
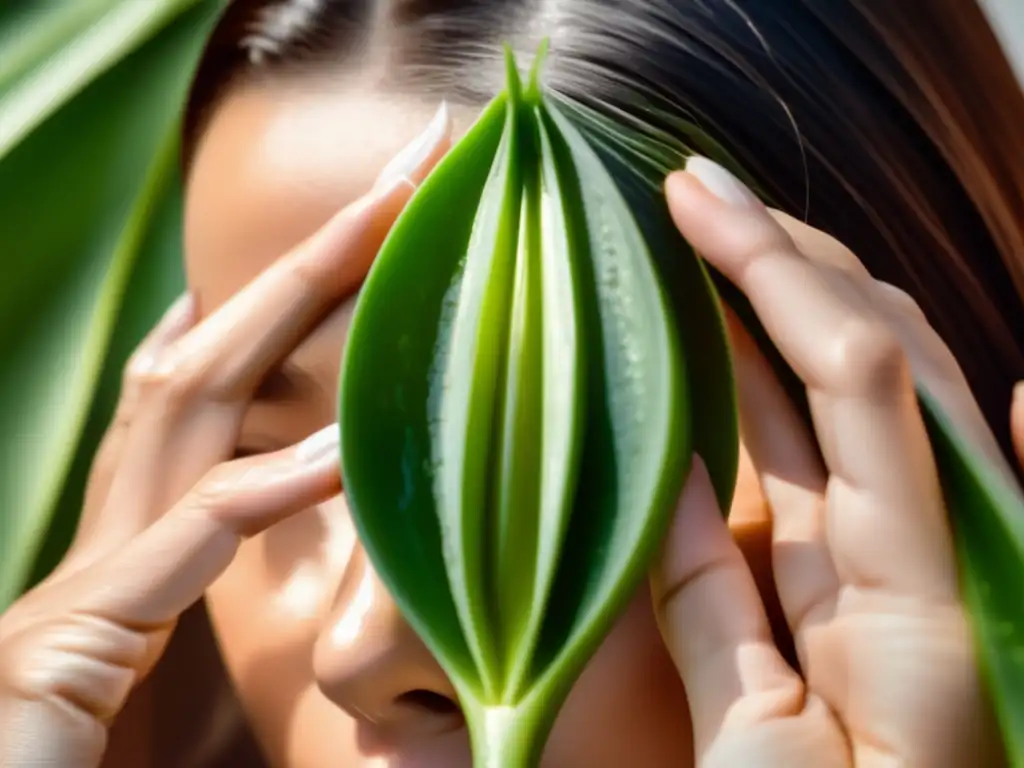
(88,181)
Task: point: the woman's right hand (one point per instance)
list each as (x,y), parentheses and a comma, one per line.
(166,507)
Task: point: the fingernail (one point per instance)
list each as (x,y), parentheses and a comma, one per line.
(319,446)
(180,310)
(182,305)
(1018,394)
(408,160)
(721,183)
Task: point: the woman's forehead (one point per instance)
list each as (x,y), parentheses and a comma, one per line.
(273,165)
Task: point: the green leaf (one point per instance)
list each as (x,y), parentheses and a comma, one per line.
(55,52)
(513,466)
(392,418)
(90,99)
(988,523)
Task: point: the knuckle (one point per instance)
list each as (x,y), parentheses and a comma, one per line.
(762,240)
(170,381)
(899,300)
(217,493)
(56,660)
(309,277)
(866,355)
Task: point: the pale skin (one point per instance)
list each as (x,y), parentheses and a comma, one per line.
(280,231)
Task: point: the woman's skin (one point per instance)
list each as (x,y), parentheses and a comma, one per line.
(288,201)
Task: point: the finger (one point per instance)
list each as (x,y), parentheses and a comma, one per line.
(169,566)
(714,625)
(793,480)
(737,235)
(234,348)
(931,361)
(193,400)
(197,397)
(176,321)
(114,616)
(893,532)
(820,247)
(936,369)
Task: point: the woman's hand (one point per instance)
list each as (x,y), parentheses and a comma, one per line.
(862,553)
(166,508)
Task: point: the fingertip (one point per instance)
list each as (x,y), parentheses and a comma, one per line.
(720,216)
(322,447)
(178,318)
(722,184)
(182,307)
(685,195)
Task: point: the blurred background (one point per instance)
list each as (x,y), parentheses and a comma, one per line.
(90,255)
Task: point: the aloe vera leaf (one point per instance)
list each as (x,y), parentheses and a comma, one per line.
(390,379)
(34,83)
(543,403)
(516,486)
(637,446)
(694,300)
(561,393)
(467,413)
(556,270)
(635,451)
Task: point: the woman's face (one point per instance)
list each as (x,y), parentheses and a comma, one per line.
(326,669)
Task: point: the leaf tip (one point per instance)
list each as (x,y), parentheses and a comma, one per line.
(513,84)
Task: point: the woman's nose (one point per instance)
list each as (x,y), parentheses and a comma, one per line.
(371,663)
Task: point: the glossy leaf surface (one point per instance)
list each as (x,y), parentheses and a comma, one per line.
(513,462)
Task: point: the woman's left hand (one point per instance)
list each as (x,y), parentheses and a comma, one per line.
(862,552)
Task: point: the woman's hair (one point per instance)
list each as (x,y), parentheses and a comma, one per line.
(892,125)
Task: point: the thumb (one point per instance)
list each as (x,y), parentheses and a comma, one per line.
(714,623)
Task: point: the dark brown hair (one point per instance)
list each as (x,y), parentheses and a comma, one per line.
(894,126)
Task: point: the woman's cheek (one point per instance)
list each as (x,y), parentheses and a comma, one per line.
(267,610)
